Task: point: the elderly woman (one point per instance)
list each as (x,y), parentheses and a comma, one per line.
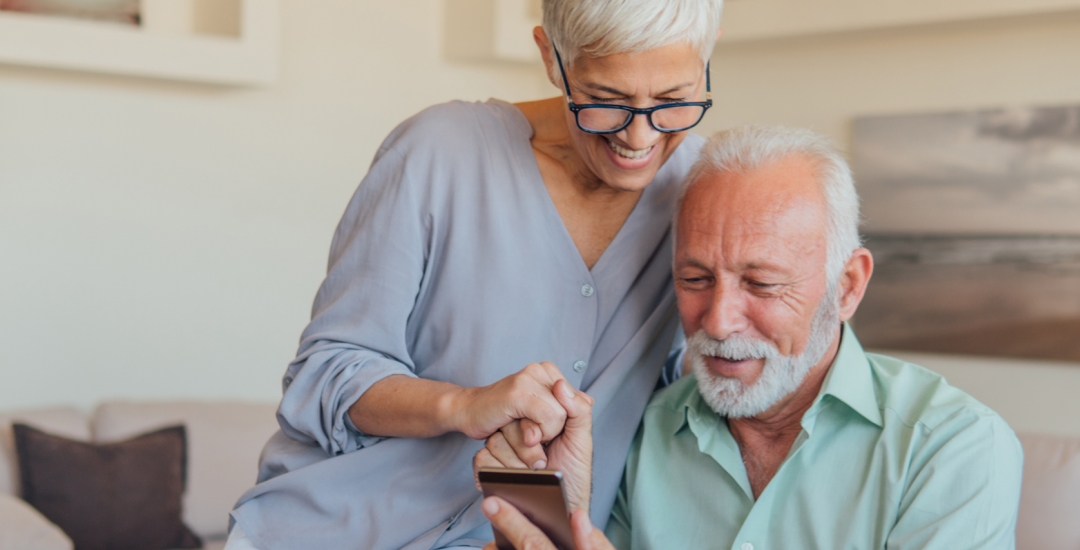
(491,250)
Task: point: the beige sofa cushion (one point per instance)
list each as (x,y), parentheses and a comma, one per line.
(224,442)
(68,423)
(24,528)
(1050,500)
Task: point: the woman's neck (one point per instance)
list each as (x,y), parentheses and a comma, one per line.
(592,211)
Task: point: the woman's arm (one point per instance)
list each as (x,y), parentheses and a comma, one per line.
(401,406)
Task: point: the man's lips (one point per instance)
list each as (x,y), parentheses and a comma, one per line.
(732,369)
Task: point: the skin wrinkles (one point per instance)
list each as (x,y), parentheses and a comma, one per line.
(750,260)
(592,188)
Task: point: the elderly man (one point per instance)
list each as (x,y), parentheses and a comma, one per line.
(788,435)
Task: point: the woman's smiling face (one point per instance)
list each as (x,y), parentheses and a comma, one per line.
(629,159)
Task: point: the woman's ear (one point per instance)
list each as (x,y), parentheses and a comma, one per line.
(544,43)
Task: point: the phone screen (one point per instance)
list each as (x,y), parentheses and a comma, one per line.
(538,494)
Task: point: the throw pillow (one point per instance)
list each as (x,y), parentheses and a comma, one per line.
(118,496)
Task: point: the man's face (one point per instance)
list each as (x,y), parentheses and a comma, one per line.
(751,284)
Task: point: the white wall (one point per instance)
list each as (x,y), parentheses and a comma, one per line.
(163,240)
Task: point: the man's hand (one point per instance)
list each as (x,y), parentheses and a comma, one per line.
(525,536)
(570,452)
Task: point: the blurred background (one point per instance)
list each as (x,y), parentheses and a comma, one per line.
(170,181)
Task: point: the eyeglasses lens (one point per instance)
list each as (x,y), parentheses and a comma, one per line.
(672,118)
(678,118)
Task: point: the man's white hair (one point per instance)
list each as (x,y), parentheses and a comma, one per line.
(741,150)
(597,28)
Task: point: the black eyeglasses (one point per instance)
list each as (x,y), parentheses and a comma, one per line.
(601,118)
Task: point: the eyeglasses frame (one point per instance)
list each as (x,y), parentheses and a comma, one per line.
(576,109)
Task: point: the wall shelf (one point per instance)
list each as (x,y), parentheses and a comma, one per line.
(251,58)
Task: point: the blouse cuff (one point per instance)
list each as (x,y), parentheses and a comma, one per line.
(346,437)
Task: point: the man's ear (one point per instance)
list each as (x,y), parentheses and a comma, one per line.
(853,281)
(544,43)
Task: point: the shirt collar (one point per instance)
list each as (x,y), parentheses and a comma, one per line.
(849,381)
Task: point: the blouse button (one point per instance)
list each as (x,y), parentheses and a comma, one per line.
(747,546)
(587,290)
(579,365)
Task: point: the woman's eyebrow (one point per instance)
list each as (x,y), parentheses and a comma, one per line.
(613,91)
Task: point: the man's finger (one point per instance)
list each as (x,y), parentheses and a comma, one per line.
(504,453)
(530,454)
(578,405)
(531,434)
(514,526)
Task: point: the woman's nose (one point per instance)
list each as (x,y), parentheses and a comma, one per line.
(639,134)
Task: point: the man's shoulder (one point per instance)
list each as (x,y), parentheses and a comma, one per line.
(923,399)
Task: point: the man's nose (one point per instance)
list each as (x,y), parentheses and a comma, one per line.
(639,134)
(726,314)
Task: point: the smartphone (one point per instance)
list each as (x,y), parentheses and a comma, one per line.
(538,494)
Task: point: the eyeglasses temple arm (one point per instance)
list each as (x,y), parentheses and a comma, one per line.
(562,71)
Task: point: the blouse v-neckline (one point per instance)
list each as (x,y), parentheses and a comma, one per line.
(534,180)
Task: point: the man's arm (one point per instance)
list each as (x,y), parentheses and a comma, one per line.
(965,491)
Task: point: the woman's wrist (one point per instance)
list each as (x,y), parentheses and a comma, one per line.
(451,409)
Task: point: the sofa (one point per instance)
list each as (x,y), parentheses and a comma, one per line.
(225,438)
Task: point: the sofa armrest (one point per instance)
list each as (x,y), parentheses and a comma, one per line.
(24,528)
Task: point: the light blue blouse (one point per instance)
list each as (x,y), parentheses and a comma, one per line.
(451,263)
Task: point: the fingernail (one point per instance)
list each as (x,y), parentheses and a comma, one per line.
(490,506)
(566,391)
(539,464)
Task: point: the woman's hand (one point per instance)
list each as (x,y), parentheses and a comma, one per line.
(526,395)
(403,406)
(570,452)
(525,536)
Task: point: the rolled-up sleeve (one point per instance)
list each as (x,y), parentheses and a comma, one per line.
(357,334)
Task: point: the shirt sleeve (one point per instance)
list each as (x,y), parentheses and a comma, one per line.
(965,493)
(357,335)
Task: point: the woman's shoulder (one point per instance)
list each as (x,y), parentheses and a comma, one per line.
(454,127)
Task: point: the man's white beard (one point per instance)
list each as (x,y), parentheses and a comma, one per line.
(781,375)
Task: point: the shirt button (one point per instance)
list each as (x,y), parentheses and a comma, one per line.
(579,365)
(746,546)
(587,290)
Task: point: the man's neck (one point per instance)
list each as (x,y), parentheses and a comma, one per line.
(766,439)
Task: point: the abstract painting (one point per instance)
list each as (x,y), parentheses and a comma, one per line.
(974,222)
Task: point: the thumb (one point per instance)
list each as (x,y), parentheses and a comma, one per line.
(586,536)
(578,406)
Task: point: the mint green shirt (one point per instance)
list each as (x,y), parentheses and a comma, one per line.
(890,456)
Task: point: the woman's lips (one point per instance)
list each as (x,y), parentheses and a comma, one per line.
(616,153)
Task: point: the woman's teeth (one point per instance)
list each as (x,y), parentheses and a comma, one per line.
(629,153)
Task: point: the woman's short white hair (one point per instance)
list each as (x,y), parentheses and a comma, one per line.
(597,28)
(750,147)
